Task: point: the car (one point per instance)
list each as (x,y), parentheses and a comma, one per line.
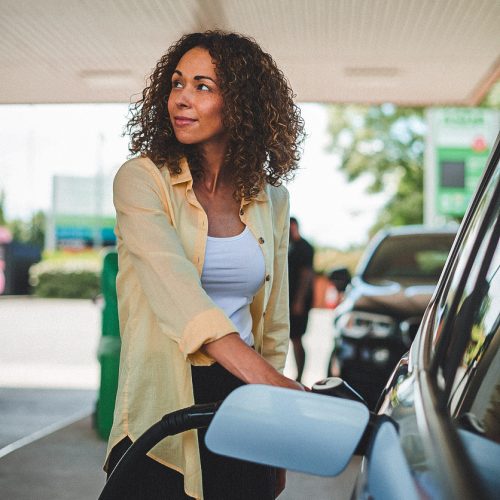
(384,302)
(435,432)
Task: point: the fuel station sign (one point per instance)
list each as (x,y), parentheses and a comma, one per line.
(458,144)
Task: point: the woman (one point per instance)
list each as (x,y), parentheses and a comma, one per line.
(202,228)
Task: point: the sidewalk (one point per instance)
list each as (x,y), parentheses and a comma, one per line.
(48,382)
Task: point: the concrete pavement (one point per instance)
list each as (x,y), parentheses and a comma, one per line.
(65,465)
(49,343)
(27,411)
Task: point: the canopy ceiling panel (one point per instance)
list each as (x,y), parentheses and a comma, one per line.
(415,52)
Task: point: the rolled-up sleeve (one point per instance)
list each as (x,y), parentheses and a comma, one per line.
(277,321)
(170,281)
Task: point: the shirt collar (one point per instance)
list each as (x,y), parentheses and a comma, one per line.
(185,176)
(261,196)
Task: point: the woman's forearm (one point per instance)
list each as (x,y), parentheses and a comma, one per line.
(245,363)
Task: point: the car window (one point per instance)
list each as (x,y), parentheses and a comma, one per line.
(475,394)
(416,257)
(469,251)
(466,362)
(474,402)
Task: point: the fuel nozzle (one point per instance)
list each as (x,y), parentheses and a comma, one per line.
(337,387)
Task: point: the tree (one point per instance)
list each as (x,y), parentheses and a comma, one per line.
(385,143)
(36,228)
(3,222)
(492,98)
(32,231)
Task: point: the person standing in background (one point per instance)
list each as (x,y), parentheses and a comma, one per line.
(301,280)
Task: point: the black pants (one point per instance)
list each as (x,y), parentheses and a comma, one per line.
(226,478)
(151,480)
(223,478)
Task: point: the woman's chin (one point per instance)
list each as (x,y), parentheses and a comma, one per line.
(185,139)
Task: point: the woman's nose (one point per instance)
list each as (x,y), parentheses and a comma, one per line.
(183,98)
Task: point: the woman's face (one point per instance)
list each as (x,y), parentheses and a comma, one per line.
(195,102)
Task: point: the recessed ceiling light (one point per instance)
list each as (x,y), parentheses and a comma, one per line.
(108,79)
(373,76)
(371,72)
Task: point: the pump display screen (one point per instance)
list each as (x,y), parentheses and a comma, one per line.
(452,174)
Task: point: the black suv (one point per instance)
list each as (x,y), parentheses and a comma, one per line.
(384,303)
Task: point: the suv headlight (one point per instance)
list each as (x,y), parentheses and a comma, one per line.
(356,324)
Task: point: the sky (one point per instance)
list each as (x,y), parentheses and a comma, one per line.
(40,141)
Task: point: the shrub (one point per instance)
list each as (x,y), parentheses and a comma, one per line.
(66,279)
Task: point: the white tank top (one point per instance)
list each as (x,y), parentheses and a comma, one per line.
(232,274)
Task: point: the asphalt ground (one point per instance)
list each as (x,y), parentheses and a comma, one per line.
(49,376)
(26,411)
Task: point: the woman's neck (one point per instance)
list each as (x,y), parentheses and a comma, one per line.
(214,172)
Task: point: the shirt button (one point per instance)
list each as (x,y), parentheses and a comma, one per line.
(241,211)
(268,277)
(261,240)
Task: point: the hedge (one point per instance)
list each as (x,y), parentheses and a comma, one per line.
(77,279)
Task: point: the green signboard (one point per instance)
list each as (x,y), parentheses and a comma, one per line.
(461,140)
(459,171)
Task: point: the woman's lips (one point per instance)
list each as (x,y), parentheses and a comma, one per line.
(182,121)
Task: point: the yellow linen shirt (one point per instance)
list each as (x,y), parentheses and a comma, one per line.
(166,316)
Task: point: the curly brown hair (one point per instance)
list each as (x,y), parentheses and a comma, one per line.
(264,125)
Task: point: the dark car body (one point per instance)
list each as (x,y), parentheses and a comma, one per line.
(384,303)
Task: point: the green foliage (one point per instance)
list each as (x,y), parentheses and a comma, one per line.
(66,279)
(2,210)
(36,228)
(18,229)
(492,98)
(405,207)
(385,143)
(32,231)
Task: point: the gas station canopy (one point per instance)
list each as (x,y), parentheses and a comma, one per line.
(411,52)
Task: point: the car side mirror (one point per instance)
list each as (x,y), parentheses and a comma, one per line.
(295,430)
(340,277)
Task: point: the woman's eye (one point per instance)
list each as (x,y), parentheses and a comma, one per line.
(202,86)
(176,84)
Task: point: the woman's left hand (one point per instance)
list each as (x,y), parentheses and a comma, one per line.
(246,364)
(280,482)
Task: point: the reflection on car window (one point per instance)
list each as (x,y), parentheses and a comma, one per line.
(476,389)
(448,295)
(474,402)
(418,257)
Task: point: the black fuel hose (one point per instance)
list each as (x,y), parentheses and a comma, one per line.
(194,417)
